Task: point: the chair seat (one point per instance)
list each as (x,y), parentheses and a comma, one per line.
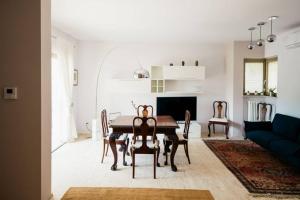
(221,120)
(122,137)
(179,135)
(150,144)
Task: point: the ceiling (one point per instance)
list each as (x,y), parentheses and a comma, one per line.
(183,21)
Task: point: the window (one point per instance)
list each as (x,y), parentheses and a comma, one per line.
(260,76)
(272,71)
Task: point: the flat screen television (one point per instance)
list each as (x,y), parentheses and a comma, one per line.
(176,107)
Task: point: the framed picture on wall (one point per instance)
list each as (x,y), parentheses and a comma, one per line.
(75,77)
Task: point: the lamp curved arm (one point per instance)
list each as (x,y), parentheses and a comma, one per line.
(99,73)
(98,76)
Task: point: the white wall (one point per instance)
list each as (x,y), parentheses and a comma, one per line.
(288,75)
(236,52)
(229,63)
(123,60)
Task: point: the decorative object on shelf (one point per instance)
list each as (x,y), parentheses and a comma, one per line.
(171,64)
(251,45)
(75,77)
(196,63)
(247,93)
(141,73)
(255,92)
(272,37)
(133,105)
(260,42)
(182,63)
(272,92)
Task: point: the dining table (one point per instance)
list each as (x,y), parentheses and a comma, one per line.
(166,125)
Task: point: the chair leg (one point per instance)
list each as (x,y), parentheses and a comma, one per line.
(209,129)
(124,154)
(186,149)
(106,150)
(154,164)
(103,151)
(214,128)
(133,164)
(166,153)
(226,131)
(127,145)
(158,151)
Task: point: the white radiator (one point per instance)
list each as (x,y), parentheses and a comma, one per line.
(252,111)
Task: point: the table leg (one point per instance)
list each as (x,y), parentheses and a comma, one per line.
(174,139)
(113,146)
(173,152)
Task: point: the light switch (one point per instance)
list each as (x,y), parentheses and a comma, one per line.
(10,93)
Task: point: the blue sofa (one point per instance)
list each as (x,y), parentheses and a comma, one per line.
(281,137)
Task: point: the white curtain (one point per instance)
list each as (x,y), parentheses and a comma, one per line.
(63,121)
(252,111)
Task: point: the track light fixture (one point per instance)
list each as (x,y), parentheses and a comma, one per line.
(260,42)
(272,37)
(251,45)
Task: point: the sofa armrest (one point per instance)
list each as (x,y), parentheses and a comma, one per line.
(253,126)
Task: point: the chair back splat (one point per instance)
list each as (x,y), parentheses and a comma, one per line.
(145,111)
(104,123)
(262,109)
(187,124)
(218,107)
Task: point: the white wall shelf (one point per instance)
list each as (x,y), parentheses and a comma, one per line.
(131,79)
(186,92)
(177,79)
(183,72)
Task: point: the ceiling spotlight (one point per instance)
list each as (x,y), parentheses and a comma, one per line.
(260,42)
(251,44)
(272,37)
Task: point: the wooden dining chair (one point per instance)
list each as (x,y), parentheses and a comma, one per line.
(144,126)
(144,111)
(262,110)
(123,140)
(183,137)
(219,117)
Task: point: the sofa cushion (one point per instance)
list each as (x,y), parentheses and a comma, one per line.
(284,147)
(286,126)
(293,161)
(263,138)
(297,154)
(262,126)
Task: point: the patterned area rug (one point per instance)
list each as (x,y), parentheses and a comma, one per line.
(258,170)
